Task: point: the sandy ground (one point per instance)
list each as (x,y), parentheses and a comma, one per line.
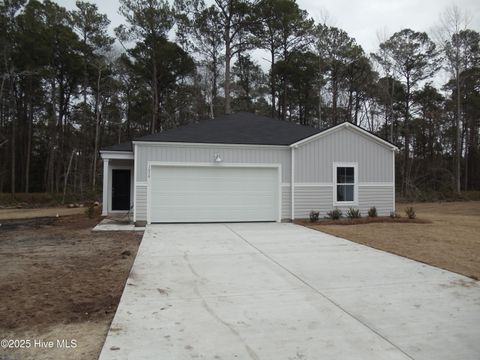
(40,212)
(450,241)
(61,281)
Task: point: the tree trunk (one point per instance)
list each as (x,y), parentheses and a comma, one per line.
(14,136)
(29,148)
(228,58)
(52,134)
(97,130)
(406,154)
(155,102)
(65,182)
(334,100)
(272,82)
(458,133)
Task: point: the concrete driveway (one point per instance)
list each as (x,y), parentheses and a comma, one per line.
(281,291)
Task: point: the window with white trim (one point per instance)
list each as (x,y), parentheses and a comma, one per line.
(345,183)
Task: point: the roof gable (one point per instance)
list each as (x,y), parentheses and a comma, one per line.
(350,126)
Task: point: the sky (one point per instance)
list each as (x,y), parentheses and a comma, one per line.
(362,20)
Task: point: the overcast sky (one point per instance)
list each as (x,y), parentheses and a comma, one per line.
(361,19)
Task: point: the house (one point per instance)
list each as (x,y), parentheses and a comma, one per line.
(245,167)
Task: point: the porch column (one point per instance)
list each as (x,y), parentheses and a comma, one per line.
(105,188)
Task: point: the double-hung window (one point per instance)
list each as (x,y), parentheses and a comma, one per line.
(345,182)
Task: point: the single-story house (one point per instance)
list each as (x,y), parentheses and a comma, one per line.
(245,167)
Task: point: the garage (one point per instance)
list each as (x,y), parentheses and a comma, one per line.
(218,193)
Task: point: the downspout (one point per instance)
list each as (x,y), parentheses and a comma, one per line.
(393,178)
(134,183)
(105,194)
(292,184)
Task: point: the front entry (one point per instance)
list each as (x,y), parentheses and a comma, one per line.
(120,189)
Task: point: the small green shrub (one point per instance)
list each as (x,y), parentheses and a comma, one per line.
(314,215)
(372,212)
(335,214)
(353,213)
(410,211)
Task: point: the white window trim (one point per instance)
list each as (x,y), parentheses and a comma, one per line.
(355,185)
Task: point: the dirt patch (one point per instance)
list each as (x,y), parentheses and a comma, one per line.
(62,281)
(40,212)
(449,239)
(364,220)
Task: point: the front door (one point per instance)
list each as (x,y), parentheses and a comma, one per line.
(120,189)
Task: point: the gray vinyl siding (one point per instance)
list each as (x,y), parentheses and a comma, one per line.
(320,198)
(203,154)
(308,198)
(141,210)
(313,160)
(286,202)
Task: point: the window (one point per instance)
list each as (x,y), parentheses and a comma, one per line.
(345,176)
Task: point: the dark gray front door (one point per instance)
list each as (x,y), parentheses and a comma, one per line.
(120,189)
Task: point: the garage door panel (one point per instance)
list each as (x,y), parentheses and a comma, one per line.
(211,194)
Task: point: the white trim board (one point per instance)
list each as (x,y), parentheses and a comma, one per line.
(327,184)
(376,184)
(346,125)
(134,183)
(313,184)
(120,155)
(355,184)
(112,167)
(190,144)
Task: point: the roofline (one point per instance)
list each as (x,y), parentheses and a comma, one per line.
(153,142)
(116,154)
(345,124)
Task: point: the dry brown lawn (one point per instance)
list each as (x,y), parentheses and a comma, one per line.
(58,280)
(39,212)
(450,239)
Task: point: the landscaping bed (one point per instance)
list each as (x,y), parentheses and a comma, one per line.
(362,220)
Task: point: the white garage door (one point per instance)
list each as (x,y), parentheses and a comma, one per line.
(213,194)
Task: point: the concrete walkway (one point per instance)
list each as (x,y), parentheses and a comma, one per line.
(281,291)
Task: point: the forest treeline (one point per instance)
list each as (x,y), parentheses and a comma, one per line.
(69,85)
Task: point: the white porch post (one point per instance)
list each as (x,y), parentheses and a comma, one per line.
(105,188)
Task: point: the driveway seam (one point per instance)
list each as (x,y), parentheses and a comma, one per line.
(320,293)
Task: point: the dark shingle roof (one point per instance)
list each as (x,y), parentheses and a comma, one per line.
(237,128)
(126,146)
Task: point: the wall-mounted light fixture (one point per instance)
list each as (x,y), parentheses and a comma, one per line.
(218,158)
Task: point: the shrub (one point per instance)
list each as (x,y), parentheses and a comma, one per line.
(90,210)
(410,211)
(335,214)
(394,215)
(314,215)
(353,213)
(372,212)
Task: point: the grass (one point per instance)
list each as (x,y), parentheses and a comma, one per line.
(445,235)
